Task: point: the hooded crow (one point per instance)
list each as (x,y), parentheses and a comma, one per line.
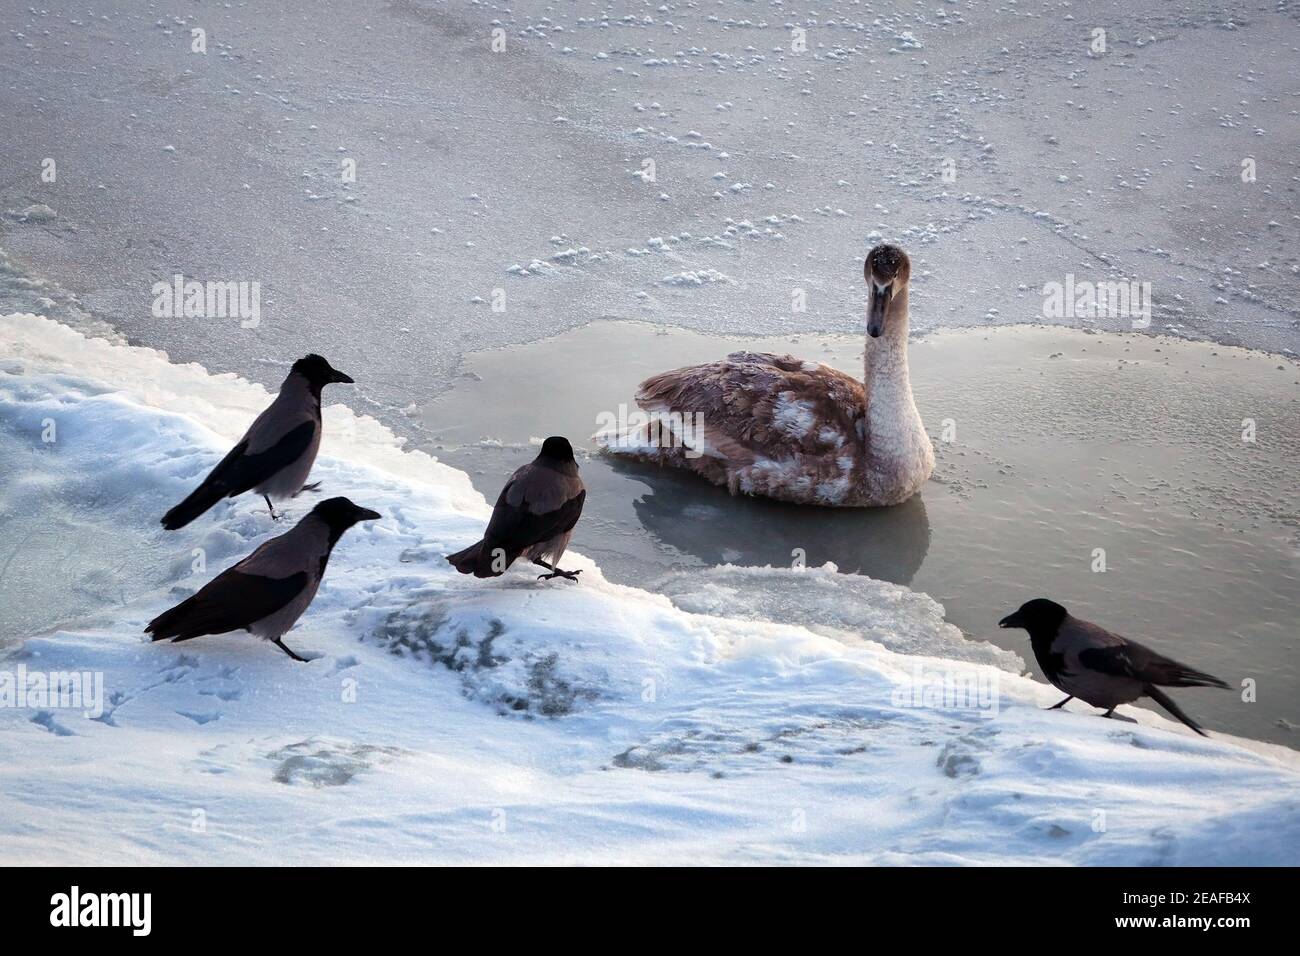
(275,455)
(534,516)
(1101,668)
(268,591)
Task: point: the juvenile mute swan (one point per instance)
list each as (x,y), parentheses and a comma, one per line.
(798,431)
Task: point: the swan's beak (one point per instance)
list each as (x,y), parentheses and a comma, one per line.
(880,296)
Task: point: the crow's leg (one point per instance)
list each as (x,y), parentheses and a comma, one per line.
(1061,704)
(555,572)
(274,516)
(314,486)
(280,644)
(1109,713)
(560,573)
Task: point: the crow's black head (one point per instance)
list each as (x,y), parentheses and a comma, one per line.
(557,449)
(341,514)
(318,371)
(1039,616)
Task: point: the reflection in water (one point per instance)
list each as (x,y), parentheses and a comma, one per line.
(698,518)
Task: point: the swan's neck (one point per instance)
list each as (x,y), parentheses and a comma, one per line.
(899,457)
(884,373)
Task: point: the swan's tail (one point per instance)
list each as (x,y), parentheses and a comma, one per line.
(626,441)
(653,434)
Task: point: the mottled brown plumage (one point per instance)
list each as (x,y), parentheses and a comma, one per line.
(794,430)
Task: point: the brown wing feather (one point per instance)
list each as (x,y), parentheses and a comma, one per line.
(754,401)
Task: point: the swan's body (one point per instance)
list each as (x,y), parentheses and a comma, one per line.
(778,426)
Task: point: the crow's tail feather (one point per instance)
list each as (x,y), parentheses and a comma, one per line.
(464,561)
(200,500)
(1164,701)
(1184,676)
(173,623)
(475,560)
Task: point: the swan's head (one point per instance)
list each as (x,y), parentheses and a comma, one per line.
(887,271)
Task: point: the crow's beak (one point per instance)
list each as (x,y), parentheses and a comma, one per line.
(880,296)
(365,514)
(1011,620)
(340,377)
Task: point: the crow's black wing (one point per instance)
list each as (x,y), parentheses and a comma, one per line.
(239,471)
(1113,660)
(1141,663)
(514,528)
(232,600)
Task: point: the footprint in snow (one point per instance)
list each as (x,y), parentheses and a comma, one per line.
(345,662)
(223,685)
(46,719)
(322,763)
(115,700)
(177,670)
(960,756)
(224,694)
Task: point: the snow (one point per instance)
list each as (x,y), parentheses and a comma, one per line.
(443,719)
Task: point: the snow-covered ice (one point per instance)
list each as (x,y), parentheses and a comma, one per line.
(446,719)
(946,127)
